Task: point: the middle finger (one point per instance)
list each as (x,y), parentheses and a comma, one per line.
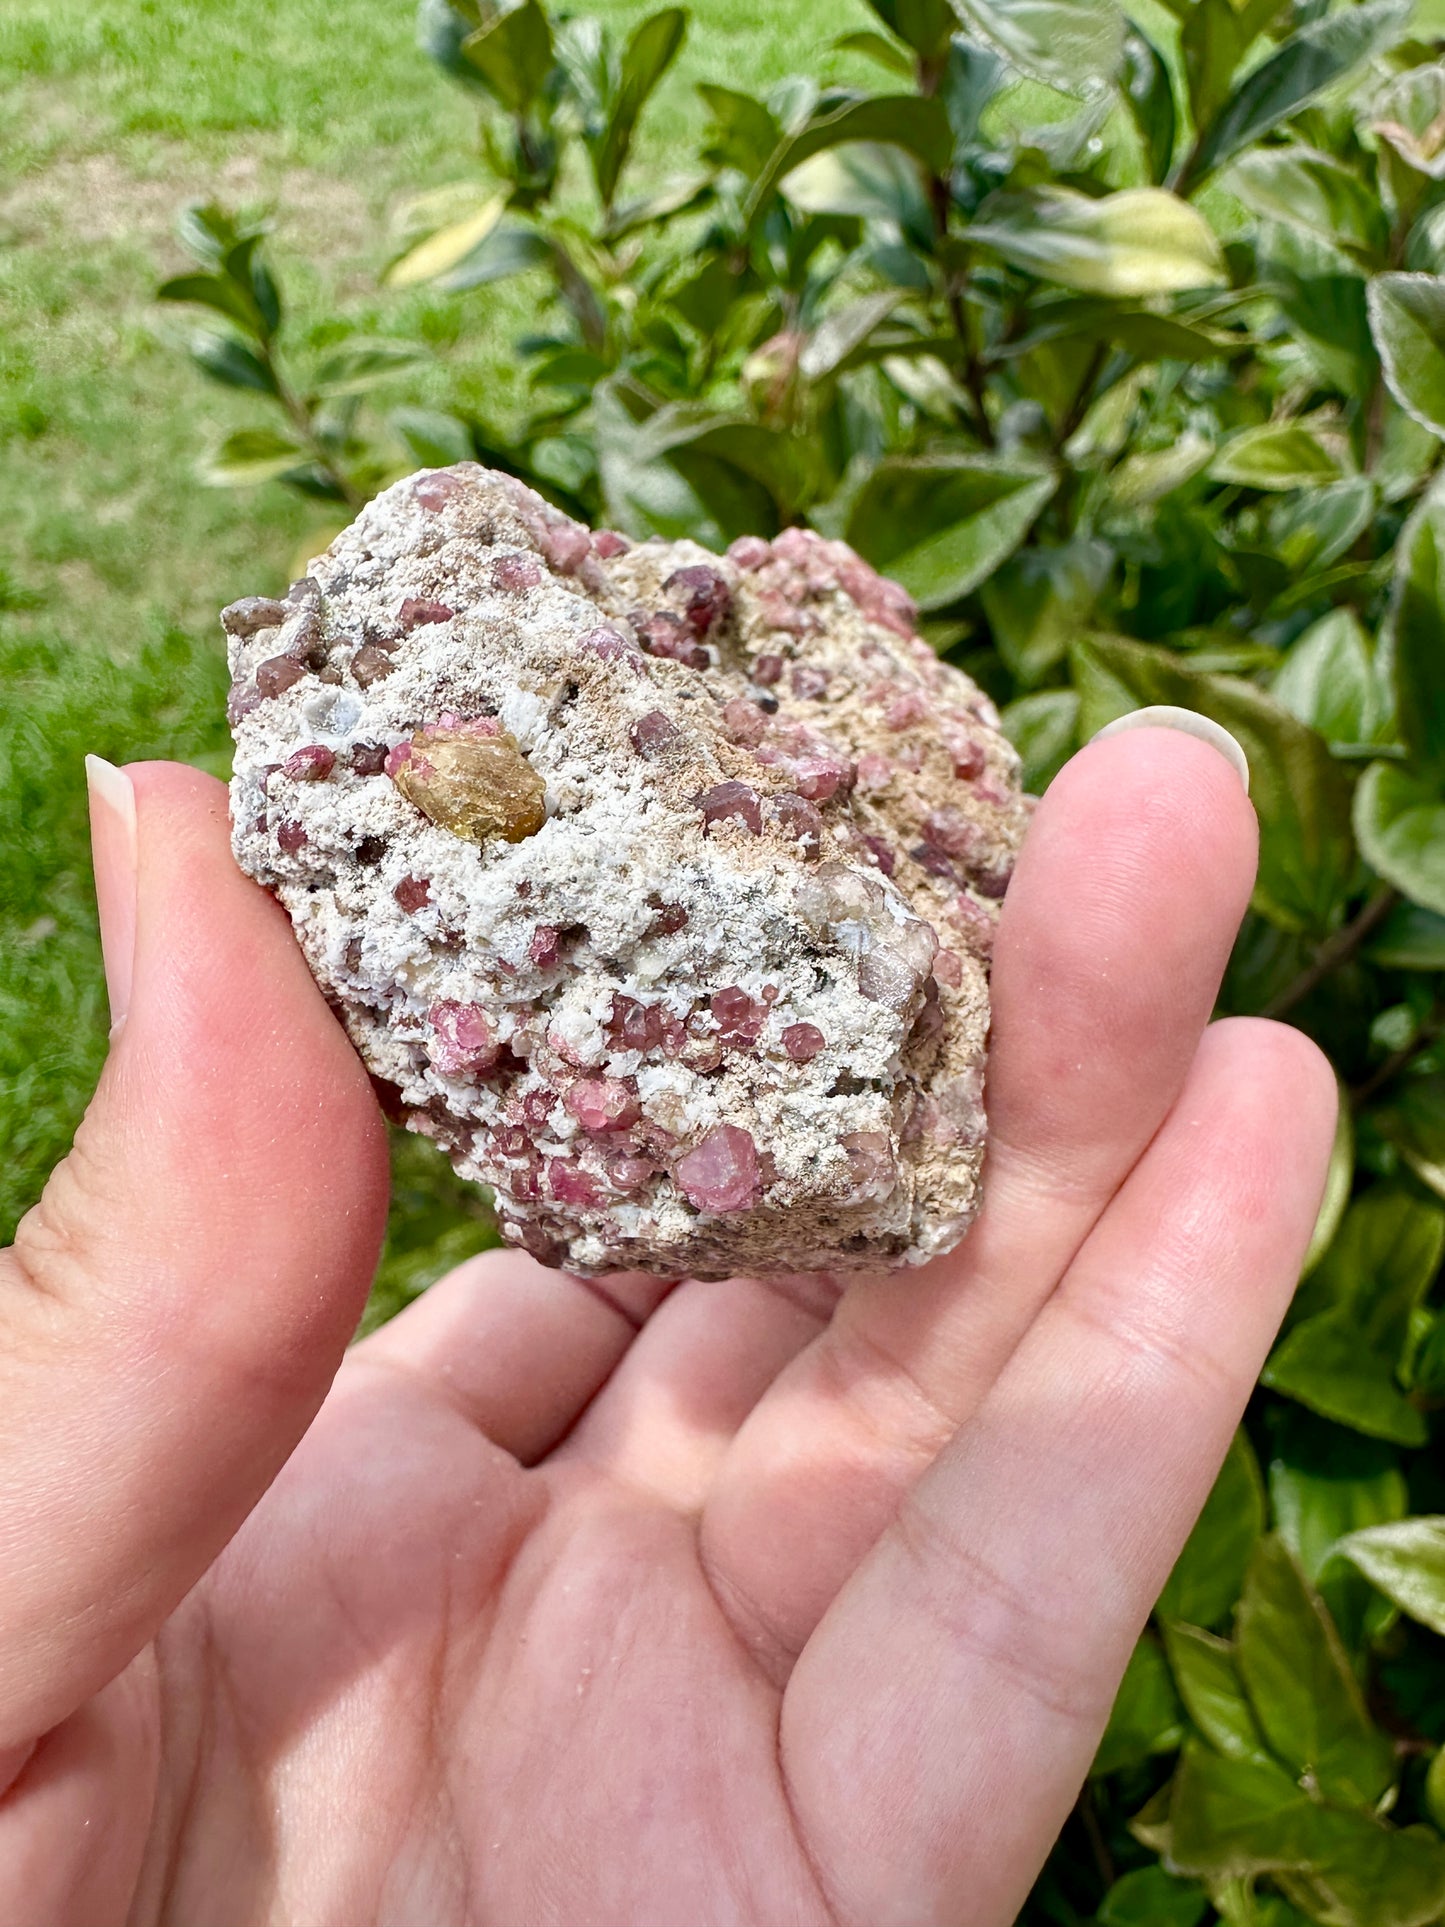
(1116,931)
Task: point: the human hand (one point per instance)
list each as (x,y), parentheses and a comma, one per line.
(797,1601)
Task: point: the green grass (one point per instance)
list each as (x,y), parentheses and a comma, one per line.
(113,559)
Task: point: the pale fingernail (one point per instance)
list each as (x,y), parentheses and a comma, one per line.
(1190,723)
(113,854)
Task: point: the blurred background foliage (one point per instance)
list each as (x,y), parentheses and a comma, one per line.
(1118,336)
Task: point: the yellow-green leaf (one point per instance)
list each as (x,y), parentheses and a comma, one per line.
(442,251)
(1140,241)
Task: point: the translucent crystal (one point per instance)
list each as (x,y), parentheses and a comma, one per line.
(475,786)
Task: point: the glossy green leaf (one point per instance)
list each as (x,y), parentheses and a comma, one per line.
(209,232)
(1407,114)
(1149,92)
(245,264)
(1322,1364)
(1147,1717)
(924,24)
(1213,1693)
(1340,1868)
(1382,1262)
(1325,1483)
(875,46)
(433,439)
(219,292)
(360,365)
(651,49)
(1308,189)
(441,27)
(1407,321)
(1121,324)
(1413,1120)
(1343,1362)
(742,132)
(1150,1897)
(1384,1259)
(1278,455)
(1140,241)
(1151,474)
(1214,37)
(1409,939)
(1238,1817)
(1321,298)
(1328,680)
(1207,1576)
(681,195)
(253,455)
(942,524)
(751,454)
(1315,528)
(230,362)
(1303,67)
(1400,824)
(1068,43)
(1299,791)
(919,125)
(447,246)
(646,494)
(865,179)
(1406,1560)
(512,55)
(973,77)
(1043,728)
(1040,599)
(509,249)
(1370,1876)
(1417,632)
(840,334)
(1241,1905)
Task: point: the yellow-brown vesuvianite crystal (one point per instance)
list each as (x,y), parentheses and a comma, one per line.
(475,785)
(658,886)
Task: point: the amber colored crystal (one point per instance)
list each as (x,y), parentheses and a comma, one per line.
(475,786)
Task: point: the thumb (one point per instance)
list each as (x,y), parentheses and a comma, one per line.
(175,1307)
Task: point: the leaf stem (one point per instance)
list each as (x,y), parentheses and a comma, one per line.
(1083,396)
(299,417)
(1098,1845)
(1396,1062)
(955,288)
(1335,951)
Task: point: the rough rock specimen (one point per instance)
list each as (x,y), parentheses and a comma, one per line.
(657,886)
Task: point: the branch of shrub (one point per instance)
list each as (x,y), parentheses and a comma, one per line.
(1397,1061)
(1337,950)
(955,290)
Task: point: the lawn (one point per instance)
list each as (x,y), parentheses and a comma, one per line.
(113,559)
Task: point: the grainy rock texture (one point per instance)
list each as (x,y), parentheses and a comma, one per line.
(657,886)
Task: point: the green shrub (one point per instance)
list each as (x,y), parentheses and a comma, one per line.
(1120,342)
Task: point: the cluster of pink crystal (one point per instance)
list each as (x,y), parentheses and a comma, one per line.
(724,1171)
(800,566)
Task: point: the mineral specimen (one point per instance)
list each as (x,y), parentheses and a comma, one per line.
(658,886)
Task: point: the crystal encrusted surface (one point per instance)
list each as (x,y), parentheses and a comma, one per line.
(658,886)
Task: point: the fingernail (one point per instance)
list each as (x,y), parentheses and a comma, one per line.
(1190,723)
(113,853)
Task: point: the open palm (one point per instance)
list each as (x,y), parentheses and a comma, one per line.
(665,1605)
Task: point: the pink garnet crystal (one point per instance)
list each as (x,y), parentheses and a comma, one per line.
(723,1172)
(462,1038)
(602,1104)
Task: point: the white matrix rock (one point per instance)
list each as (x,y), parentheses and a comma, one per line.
(657,886)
